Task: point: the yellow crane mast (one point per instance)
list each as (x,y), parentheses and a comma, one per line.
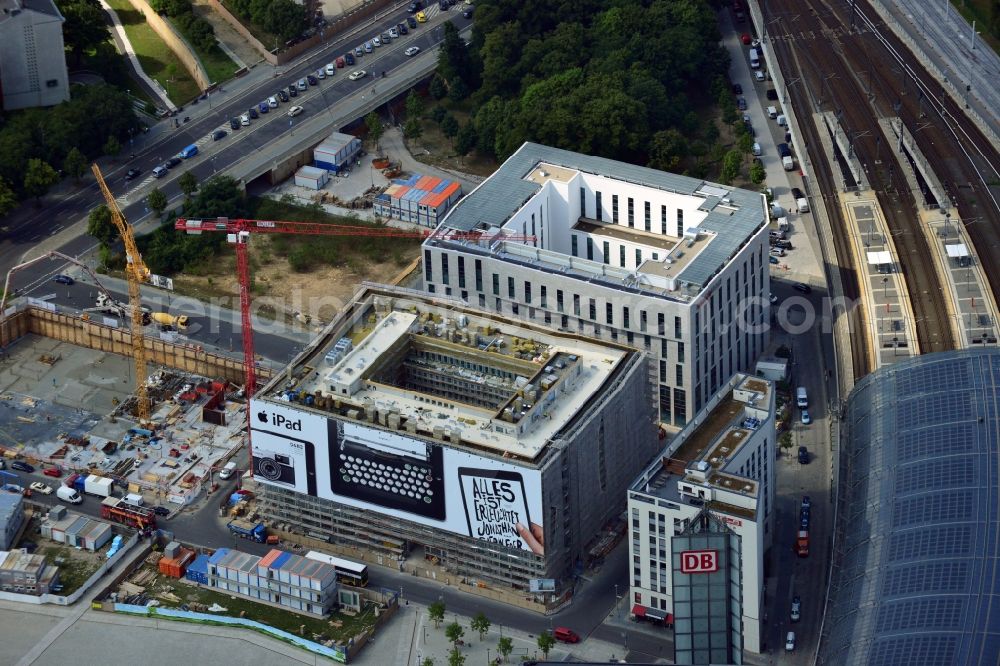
(136,273)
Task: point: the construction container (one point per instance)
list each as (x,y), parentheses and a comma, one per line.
(171,549)
(176,566)
(197,571)
(311,177)
(420,199)
(337,152)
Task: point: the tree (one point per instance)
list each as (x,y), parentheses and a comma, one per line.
(100,226)
(437,88)
(667,149)
(449,126)
(454,632)
(75,163)
(481,624)
(374,124)
(545,643)
(157,201)
(785,441)
(730,166)
(757,173)
(436,612)
(414,106)
(8,199)
(428,661)
(438,113)
(188,184)
(412,129)
(465,140)
(456,658)
(505,646)
(84,29)
(112,146)
(38,178)
(457,90)
(745,143)
(453,58)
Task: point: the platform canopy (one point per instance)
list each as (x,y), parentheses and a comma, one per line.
(879,258)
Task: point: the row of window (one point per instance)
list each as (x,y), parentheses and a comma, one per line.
(646,208)
(574,241)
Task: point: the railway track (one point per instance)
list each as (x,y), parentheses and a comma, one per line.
(860,74)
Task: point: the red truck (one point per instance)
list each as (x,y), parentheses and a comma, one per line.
(802,544)
(119,511)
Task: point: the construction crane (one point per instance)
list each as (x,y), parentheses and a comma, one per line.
(136,273)
(239,231)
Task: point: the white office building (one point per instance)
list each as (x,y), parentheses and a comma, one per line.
(722,463)
(32,59)
(664,263)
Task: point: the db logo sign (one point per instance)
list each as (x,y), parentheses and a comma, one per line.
(699,561)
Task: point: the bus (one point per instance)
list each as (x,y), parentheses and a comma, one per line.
(754,59)
(348,572)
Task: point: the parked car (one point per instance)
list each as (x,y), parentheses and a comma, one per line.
(796,609)
(219,134)
(773,260)
(272,102)
(263,107)
(403,30)
(132,174)
(64,279)
(172,162)
(376,41)
(806,502)
(313,81)
(330,69)
(42,488)
(368,46)
(282,95)
(412,51)
(803,287)
(302,84)
(349,58)
(746,38)
(803,455)
(22,466)
(359,74)
(161,511)
(806,419)
(359,51)
(234,123)
(412,22)
(742,103)
(797,193)
(790,641)
(54,472)
(759,75)
(253,113)
(422,18)
(394,33)
(292,91)
(244,120)
(415,7)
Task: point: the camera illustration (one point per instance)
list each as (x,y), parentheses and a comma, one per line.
(275,467)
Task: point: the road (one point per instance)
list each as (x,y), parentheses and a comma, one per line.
(28,226)
(202,525)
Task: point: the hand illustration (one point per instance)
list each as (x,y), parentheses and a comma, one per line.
(533,538)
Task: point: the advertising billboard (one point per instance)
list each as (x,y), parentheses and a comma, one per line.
(397,475)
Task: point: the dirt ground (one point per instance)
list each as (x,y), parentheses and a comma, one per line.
(225,33)
(320,293)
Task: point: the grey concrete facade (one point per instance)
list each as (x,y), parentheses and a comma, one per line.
(32,59)
(585,465)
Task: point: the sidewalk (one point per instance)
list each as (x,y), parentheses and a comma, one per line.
(121,39)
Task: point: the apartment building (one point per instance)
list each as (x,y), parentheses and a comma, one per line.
(721,464)
(674,266)
(32,60)
(421,427)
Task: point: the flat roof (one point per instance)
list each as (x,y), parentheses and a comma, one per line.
(513,387)
(733,215)
(709,445)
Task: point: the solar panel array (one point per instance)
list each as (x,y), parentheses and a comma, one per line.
(916,568)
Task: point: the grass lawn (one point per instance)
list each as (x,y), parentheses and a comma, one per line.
(263,613)
(215,61)
(75,566)
(158,61)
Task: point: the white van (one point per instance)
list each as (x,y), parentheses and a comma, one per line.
(801,397)
(227,471)
(159,172)
(782,121)
(134,499)
(757,149)
(772,112)
(68,494)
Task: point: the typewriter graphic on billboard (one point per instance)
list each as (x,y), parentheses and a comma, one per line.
(284,461)
(387,470)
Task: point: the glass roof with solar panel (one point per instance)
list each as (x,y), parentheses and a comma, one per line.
(915,565)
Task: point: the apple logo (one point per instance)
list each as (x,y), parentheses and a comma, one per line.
(262,417)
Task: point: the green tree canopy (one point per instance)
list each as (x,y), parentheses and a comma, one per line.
(112,146)
(436,612)
(454,632)
(187,183)
(414,105)
(85,27)
(731,166)
(412,129)
(480,624)
(545,643)
(157,201)
(38,178)
(375,130)
(505,646)
(8,198)
(465,140)
(100,226)
(449,126)
(75,164)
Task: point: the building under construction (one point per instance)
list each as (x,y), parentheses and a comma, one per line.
(416,425)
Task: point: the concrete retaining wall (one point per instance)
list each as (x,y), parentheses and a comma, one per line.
(175,42)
